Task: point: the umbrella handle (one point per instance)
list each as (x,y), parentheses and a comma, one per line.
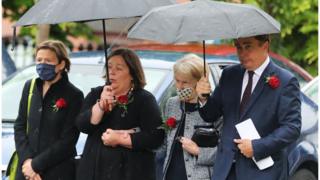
(105,52)
(204,65)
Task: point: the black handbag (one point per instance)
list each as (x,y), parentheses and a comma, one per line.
(206,136)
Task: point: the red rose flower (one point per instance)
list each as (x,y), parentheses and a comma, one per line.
(168,124)
(273,81)
(171,122)
(60,103)
(123,99)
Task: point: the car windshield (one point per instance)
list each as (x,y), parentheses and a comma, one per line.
(312,91)
(83,76)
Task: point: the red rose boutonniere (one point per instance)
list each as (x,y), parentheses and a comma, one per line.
(169,124)
(59,104)
(273,81)
(123,101)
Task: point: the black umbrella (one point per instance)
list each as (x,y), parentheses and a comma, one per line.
(59,11)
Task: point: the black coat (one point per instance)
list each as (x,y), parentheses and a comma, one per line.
(100,162)
(51,137)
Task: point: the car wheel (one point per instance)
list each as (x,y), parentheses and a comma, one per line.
(303,174)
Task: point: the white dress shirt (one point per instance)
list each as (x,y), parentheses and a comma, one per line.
(256,76)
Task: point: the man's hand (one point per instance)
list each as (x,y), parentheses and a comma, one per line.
(245,147)
(203,87)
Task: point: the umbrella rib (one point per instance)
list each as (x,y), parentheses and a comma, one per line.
(180,27)
(265,17)
(229,19)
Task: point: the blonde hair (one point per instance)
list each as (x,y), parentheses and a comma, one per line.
(59,49)
(190,66)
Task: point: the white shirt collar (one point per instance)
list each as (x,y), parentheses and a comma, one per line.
(261,68)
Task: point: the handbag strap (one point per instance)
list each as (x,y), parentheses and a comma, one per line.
(29,99)
(183,117)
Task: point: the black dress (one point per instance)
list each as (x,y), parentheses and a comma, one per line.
(177,169)
(52,135)
(100,162)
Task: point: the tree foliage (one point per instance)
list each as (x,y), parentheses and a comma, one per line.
(15,9)
(299,30)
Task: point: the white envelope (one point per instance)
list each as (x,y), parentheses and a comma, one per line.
(247,130)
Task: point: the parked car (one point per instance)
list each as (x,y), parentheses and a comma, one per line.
(227,52)
(311,90)
(86,72)
(304,156)
(8,66)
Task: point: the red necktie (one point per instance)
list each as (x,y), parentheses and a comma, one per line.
(247,93)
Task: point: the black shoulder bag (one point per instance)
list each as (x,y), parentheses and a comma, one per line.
(206,136)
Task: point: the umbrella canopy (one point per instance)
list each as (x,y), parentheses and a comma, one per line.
(203,20)
(59,11)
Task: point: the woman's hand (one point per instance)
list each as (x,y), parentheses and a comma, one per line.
(112,137)
(36,177)
(189,146)
(27,169)
(104,104)
(117,137)
(107,98)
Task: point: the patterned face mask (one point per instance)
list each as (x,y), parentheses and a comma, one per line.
(185,93)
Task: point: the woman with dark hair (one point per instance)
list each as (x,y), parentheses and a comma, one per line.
(44,131)
(121,121)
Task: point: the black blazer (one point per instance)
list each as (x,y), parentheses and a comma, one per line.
(52,135)
(103,162)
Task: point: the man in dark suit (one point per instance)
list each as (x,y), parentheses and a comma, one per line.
(269,95)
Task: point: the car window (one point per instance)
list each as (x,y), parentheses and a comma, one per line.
(301,80)
(11,93)
(312,92)
(309,113)
(154,78)
(86,76)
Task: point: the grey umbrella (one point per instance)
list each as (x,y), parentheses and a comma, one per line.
(59,11)
(203,20)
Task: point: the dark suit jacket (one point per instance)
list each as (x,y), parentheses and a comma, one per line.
(51,137)
(276,113)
